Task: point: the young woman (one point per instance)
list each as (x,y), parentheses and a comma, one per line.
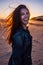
(20,37)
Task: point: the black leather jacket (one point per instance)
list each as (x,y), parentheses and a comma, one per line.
(21,48)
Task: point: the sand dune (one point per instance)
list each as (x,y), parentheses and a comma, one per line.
(38,18)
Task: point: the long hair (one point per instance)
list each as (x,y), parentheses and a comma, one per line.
(16,21)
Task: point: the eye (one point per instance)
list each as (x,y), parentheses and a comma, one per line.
(22,14)
(26,12)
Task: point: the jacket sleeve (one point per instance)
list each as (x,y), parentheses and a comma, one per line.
(17,49)
(27,55)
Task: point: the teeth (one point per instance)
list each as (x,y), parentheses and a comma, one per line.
(25,20)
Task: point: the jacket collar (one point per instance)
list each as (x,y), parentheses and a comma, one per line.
(26,30)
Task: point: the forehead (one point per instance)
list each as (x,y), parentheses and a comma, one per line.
(24,10)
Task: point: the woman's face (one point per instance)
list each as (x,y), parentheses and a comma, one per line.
(24,16)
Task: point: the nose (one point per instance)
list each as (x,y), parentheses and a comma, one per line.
(26,16)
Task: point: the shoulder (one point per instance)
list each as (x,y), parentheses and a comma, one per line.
(17,38)
(18,35)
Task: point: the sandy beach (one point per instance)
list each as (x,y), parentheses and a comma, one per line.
(37,44)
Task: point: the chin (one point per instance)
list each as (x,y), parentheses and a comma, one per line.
(25,23)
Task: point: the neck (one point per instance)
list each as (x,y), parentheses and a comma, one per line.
(25,27)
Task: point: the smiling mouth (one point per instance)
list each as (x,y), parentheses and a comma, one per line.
(25,20)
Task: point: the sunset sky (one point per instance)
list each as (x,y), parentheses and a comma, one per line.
(7,6)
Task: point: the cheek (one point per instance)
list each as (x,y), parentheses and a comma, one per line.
(22,17)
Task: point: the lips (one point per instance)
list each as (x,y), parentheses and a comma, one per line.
(25,20)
